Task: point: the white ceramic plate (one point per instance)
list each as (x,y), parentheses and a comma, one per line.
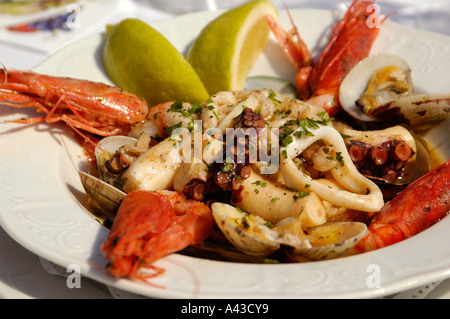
(43,203)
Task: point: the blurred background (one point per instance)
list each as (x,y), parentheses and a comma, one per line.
(60,22)
(432,15)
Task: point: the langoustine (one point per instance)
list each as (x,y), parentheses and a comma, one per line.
(417,207)
(350,42)
(151,225)
(90,106)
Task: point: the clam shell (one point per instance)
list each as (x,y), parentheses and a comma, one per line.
(355,82)
(330,241)
(112,143)
(419,111)
(246,239)
(105,150)
(249,234)
(104,198)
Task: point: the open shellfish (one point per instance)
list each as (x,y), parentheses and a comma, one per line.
(112,158)
(253,235)
(104,198)
(380,89)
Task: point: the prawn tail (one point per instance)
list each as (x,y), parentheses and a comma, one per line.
(420,205)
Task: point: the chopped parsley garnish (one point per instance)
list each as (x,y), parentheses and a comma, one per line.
(288,140)
(259,183)
(301,127)
(170,129)
(177,106)
(300,195)
(196,108)
(273,97)
(324,118)
(227,167)
(268,225)
(339,158)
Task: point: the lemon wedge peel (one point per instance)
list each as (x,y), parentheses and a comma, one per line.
(227,48)
(142,61)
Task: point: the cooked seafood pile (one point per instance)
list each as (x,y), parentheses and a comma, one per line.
(278,174)
(270,175)
(281,178)
(258,154)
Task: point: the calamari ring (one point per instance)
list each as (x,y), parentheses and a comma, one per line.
(357,191)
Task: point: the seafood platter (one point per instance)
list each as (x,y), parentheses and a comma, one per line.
(333,184)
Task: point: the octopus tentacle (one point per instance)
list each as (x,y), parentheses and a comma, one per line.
(356,192)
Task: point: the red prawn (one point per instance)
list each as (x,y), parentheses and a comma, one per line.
(150,225)
(350,42)
(420,205)
(91,106)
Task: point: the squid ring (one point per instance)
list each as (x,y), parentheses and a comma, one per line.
(357,191)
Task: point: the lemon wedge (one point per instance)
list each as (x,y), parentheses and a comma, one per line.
(227,48)
(142,61)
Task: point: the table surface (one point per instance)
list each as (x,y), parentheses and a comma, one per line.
(22,273)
